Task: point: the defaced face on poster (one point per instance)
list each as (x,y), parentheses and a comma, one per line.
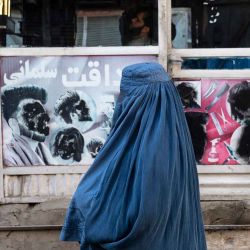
(218,116)
(58,110)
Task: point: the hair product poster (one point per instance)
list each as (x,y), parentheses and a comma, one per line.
(58,110)
(218,116)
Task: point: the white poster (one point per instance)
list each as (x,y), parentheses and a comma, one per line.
(58,110)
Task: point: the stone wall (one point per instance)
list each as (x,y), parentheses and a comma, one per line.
(34,240)
(48,240)
(228,240)
(52,213)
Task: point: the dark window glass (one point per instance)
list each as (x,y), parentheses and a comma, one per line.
(216,63)
(68,23)
(211,23)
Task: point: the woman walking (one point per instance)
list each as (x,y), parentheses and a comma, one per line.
(142,191)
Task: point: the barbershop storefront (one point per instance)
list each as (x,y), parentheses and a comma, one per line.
(60,68)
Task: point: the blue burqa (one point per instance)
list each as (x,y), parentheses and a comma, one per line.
(142,191)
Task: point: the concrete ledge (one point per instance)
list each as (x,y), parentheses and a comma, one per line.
(37,226)
(53,212)
(42,240)
(228,240)
(49,240)
(59,227)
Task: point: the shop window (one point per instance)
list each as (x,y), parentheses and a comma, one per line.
(87,23)
(181,28)
(213,23)
(98,31)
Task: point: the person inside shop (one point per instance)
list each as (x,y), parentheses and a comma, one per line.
(136,26)
(27,118)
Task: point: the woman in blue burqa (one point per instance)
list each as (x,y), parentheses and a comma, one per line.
(142,191)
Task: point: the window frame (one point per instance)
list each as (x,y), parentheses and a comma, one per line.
(176,56)
(217,182)
(6,172)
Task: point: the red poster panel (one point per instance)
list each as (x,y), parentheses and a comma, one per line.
(218,115)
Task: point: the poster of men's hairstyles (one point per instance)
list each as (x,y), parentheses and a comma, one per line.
(218,116)
(58,110)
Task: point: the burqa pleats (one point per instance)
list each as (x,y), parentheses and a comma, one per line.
(142,191)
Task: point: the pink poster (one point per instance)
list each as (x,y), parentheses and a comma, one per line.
(218,115)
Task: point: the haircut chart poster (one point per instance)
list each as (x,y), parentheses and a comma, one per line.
(58,110)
